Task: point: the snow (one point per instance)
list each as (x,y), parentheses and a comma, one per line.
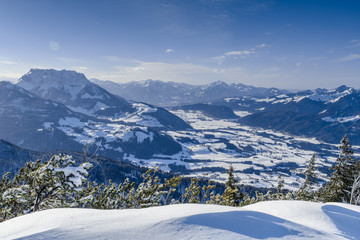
(264,220)
(47,125)
(139,135)
(71,121)
(263,154)
(140,116)
(45,80)
(242,113)
(342,119)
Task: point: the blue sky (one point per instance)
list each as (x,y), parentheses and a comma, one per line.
(287,44)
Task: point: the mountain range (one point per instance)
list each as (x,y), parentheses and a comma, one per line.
(83,113)
(169,94)
(263,134)
(325,114)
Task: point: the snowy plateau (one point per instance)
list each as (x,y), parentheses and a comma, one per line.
(290,220)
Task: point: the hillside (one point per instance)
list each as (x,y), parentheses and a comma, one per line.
(264,220)
(324,114)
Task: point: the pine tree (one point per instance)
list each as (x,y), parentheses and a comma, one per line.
(150,191)
(8,204)
(355,191)
(231,195)
(207,192)
(307,189)
(338,189)
(192,193)
(279,195)
(39,186)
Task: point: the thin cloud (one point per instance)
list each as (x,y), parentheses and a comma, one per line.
(355,43)
(10,75)
(112,58)
(170,50)
(80,69)
(240,53)
(7,62)
(68,60)
(262,45)
(349,57)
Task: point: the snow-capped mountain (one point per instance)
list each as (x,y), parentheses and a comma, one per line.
(206,148)
(80,95)
(73,90)
(173,94)
(205,138)
(27,120)
(325,114)
(36,123)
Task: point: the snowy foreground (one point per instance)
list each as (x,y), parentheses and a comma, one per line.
(265,220)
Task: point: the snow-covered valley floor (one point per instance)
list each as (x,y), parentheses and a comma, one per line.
(264,220)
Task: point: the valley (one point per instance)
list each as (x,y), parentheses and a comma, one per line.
(63,111)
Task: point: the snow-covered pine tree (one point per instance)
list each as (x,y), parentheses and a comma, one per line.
(5,211)
(231,195)
(279,195)
(192,193)
(355,191)
(150,191)
(206,192)
(338,189)
(39,186)
(171,186)
(307,189)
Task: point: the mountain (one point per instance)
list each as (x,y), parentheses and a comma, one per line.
(265,220)
(198,139)
(325,114)
(73,90)
(40,124)
(76,92)
(27,120)
(174,94)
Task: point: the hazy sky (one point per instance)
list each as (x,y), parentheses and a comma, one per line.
(287,44)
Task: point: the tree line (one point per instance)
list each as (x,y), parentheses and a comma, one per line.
(59,183)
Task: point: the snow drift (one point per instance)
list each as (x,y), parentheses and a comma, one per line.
(264,220)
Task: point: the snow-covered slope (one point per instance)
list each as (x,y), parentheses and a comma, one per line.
(258,155)
(266,220)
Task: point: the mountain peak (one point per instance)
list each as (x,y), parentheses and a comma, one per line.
(53,77)
(342,88)
(49,82)
(218,83)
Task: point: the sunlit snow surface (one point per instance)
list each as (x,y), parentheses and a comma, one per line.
(265,220)
(258,155)
(265,155)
